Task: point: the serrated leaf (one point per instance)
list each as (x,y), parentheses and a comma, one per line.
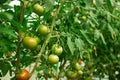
(110,4)
(49,4)
(5,67)
(111,29)
(70,45)
(17,25)
(96,35)
(6,15)
(8,32)
(79,43)
(86,37)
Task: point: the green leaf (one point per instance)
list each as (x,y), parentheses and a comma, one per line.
(8,32)
(99,3)
(5,67)
(111,29)
(96,34)
(110,4)
(17,25)
(86,37)
(70,45)
(6,15)
(103,40)
(49,4)
(79,43)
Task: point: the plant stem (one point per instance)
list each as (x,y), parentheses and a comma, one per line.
(20,37)
(47,39)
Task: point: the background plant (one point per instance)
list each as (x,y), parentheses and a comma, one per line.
(87,30)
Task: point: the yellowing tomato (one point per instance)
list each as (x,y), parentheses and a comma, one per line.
(30,43)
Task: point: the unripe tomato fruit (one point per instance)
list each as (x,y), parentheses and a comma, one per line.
(39,10)
(30,43)
(77,66)
(57,49)
(71,75)
(43,30)
(80,72)
(84,17)
(23,75)
(53,59)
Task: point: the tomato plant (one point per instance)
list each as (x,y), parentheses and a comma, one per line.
(49,37)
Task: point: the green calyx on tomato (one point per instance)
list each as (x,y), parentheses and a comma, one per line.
(43,30)
(57,49)
(38,9)
(71,74)
(30,42)
(27,4)
(23,75)
(53,59)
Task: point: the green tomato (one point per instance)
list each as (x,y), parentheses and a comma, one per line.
(71,75)
(77,66)
(53,59)
(80,72)
(84,17)
(30,43)
(43,30)
(39,10)
(57,49)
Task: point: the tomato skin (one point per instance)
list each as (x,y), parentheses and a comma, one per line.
(30,43)
(23,75)
(38,9)
(53,59)
(57,49)
(43,30)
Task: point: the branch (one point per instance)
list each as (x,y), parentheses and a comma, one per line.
(20,38)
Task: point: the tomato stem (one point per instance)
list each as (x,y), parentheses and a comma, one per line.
(20,38)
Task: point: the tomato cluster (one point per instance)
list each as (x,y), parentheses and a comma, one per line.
(56,51)
(76,71)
